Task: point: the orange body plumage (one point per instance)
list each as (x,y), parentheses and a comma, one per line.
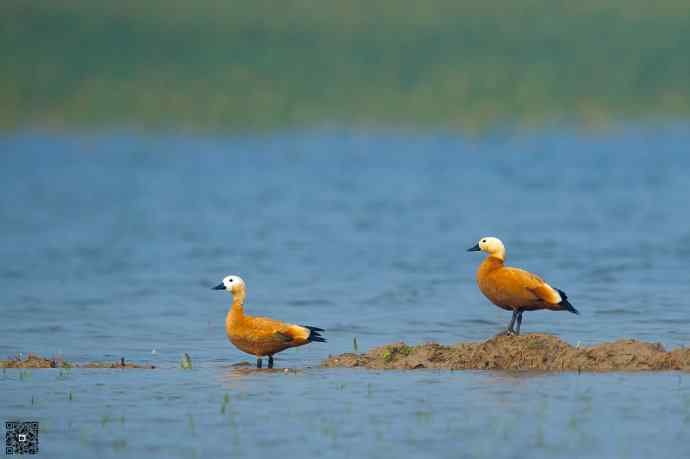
(261,336)
(513,288)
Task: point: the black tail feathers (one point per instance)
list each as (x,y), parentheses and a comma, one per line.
(315,334)
(565,303)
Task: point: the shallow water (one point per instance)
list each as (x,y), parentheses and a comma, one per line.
(110,244)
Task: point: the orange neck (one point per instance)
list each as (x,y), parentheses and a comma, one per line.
(236,311)
(490,263)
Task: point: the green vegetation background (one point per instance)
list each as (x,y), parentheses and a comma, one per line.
(214,64)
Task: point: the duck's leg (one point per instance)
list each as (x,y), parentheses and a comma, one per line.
(270,361)
(519,322)
(510,330)
(258,362)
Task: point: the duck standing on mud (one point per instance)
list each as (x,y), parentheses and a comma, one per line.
(261,336)
(514,289)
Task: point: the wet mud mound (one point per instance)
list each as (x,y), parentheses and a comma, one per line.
(528,352)
(36,361)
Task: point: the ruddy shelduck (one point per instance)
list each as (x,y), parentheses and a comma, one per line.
(261,336)
(514,289)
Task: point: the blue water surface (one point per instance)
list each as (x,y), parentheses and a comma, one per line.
(110,244)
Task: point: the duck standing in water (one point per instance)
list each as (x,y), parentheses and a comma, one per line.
(514,289)
(261,336)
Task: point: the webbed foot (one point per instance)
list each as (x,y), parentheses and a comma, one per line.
(507,332)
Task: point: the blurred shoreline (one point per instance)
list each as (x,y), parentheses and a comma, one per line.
(257,66)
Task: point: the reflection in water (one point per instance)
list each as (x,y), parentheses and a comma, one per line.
(235,373)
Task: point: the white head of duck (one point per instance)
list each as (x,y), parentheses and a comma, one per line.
(491,245)
(233,284)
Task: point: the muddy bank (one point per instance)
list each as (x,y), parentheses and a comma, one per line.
(36,361)
(528,352)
